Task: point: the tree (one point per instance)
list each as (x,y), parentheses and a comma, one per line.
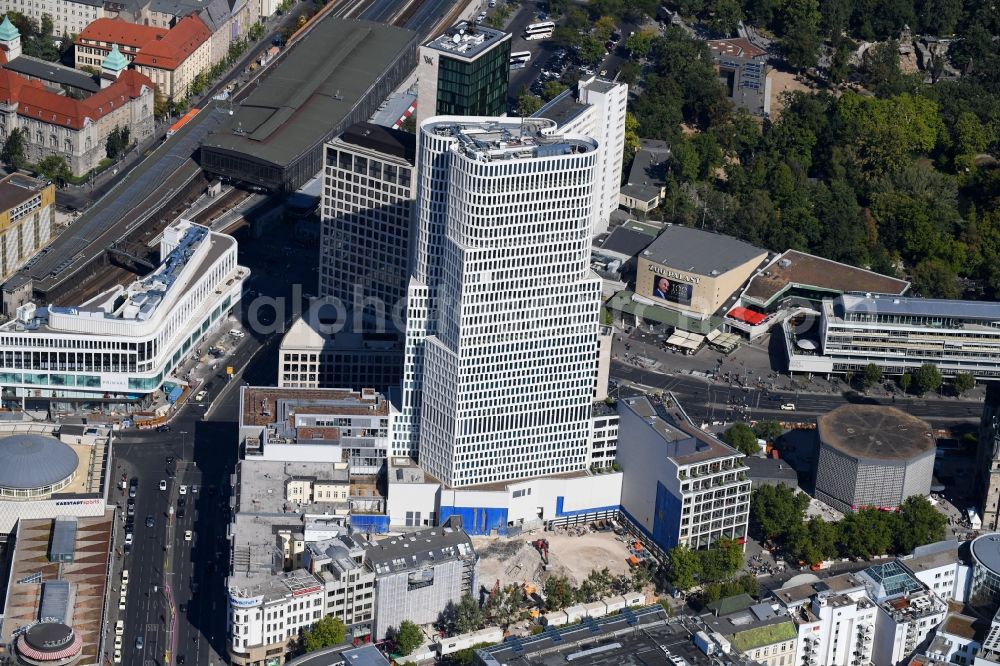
(801,39)
(161,107)
(505,607)
(867,533)
(684,567)
(726,17)
(641,577)
(527,103)
(407,637)
(465,616)
(467,656)
(326,632)
(604,27)
(118,142)
(631,146)
(558,593)
(591,50)
(640,42)
(927,378)
(54,168)
(919,523)
(768,430)
(963,382)
(552,89)
(742,438)
(905,380)
(13,149)
(873,375)
(776,510)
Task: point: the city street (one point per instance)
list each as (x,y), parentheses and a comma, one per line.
(166,571)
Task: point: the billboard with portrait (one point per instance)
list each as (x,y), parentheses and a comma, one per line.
(674,291)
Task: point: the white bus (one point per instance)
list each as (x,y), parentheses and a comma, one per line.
(539,30)
(519,59)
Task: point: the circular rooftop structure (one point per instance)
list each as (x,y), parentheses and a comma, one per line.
(33,465)
(875,432)
(986,552)
(985,593)
(49,642)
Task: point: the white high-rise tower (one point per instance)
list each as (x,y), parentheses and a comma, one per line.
(503,311)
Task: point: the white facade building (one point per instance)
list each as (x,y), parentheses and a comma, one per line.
(899,334)
(124,342)
(941,569)
(502,328)
(903,624)
(596,108)
(683,486)
(835,620)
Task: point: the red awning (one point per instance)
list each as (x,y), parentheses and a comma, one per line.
(749,316)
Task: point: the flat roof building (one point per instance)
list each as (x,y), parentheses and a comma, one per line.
(647,177)
(898,334)
(680,484)
(124,343)
(872,455)
(464,72)
(27,221)
(335,76)
(693,272)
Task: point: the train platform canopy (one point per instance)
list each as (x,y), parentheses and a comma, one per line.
(334,76)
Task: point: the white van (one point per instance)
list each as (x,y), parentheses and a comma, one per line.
(236,333)
(788,407)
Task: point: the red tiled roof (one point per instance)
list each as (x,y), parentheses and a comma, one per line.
(117,31)
(180,42)
(34,101)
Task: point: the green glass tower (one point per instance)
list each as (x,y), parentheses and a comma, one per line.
(464,72)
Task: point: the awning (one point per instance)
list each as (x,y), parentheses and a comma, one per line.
(749,316)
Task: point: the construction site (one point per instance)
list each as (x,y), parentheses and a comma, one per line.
(572,552)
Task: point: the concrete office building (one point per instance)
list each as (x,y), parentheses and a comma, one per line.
(942,568)
(682,485)
(503,309)
(898,334)
(835,621)
(122,344)
(366,205)
(988,459)
(311,356)
(27,220)
(419,573)
(464,72)
(904,623)
(872,455)
(596,108)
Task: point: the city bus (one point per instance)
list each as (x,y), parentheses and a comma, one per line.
(519,59)
(539,30)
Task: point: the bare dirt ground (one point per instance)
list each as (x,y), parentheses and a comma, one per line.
(515,560)
(782,82)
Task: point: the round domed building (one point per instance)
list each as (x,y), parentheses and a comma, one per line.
(49,643)
(872,455)
(35,466)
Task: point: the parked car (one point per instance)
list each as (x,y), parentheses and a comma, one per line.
(788,407)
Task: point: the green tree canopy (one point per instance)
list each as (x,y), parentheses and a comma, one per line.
(742,438)
(527,103)
(684,568)
(776,510)
(927,378)
(769,431)
(919,523)
(407,637)
(873,375)
(326,632)
(963,382)
(13,154)
(559,593)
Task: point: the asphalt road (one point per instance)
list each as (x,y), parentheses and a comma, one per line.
(708,401)
(202,439)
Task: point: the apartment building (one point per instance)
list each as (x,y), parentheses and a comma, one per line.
(316,425)
(835,621)
(904,623)
(123,343)
(940,567)
(898,334)
(603,448)
(69,17)
(595,107)
(94,43)
(27,220)
(503,310)
(682,486)
(761,632)
(419,574)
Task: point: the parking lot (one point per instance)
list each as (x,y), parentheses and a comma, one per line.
(515,560)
